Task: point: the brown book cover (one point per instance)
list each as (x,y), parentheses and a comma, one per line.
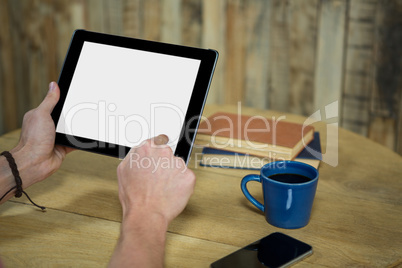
(254,134)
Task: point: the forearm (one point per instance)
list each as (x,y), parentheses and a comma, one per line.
(142,242)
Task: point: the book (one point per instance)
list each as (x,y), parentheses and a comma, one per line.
(212,157)
(255,135)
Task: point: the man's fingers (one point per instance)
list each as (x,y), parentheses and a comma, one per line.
(51,98)
(162,139)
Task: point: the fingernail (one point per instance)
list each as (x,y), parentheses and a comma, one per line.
(52,86)
(162,139)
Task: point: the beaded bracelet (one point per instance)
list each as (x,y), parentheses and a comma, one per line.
(14,169)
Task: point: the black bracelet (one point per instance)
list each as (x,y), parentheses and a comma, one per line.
(14,169)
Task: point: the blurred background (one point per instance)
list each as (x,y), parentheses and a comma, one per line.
(295,56)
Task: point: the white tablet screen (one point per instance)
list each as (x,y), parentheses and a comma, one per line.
(125,96)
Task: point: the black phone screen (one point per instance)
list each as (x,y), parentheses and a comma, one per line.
(274,250)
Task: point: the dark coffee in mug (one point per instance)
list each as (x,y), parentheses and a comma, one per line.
(288,188)
(289,178)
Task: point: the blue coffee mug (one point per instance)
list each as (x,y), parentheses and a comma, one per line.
(288,189)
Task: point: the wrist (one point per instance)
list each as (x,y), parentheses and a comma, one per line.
(31,169)
(5,176)
(144,221)
(7,180)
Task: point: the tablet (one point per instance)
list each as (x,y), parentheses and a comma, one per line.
(117,92)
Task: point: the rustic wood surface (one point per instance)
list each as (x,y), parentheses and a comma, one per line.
(358,66)
(292,56)
(355,220)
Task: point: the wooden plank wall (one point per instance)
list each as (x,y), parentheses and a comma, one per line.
(289,55)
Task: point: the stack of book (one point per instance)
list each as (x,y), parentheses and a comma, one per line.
(249,142)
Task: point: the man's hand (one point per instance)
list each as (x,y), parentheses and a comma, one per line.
(36,148)
(152,179)
(154,188)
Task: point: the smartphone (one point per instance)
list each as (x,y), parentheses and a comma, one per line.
(274,250)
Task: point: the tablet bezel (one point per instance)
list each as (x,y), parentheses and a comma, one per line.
(208,58)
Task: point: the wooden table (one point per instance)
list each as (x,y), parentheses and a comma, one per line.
(356,218)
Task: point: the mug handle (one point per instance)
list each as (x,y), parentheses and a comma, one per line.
(244,181)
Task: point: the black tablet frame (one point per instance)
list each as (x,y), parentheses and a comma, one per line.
(208,59)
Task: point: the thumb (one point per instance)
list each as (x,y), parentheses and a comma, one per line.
(51,98)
